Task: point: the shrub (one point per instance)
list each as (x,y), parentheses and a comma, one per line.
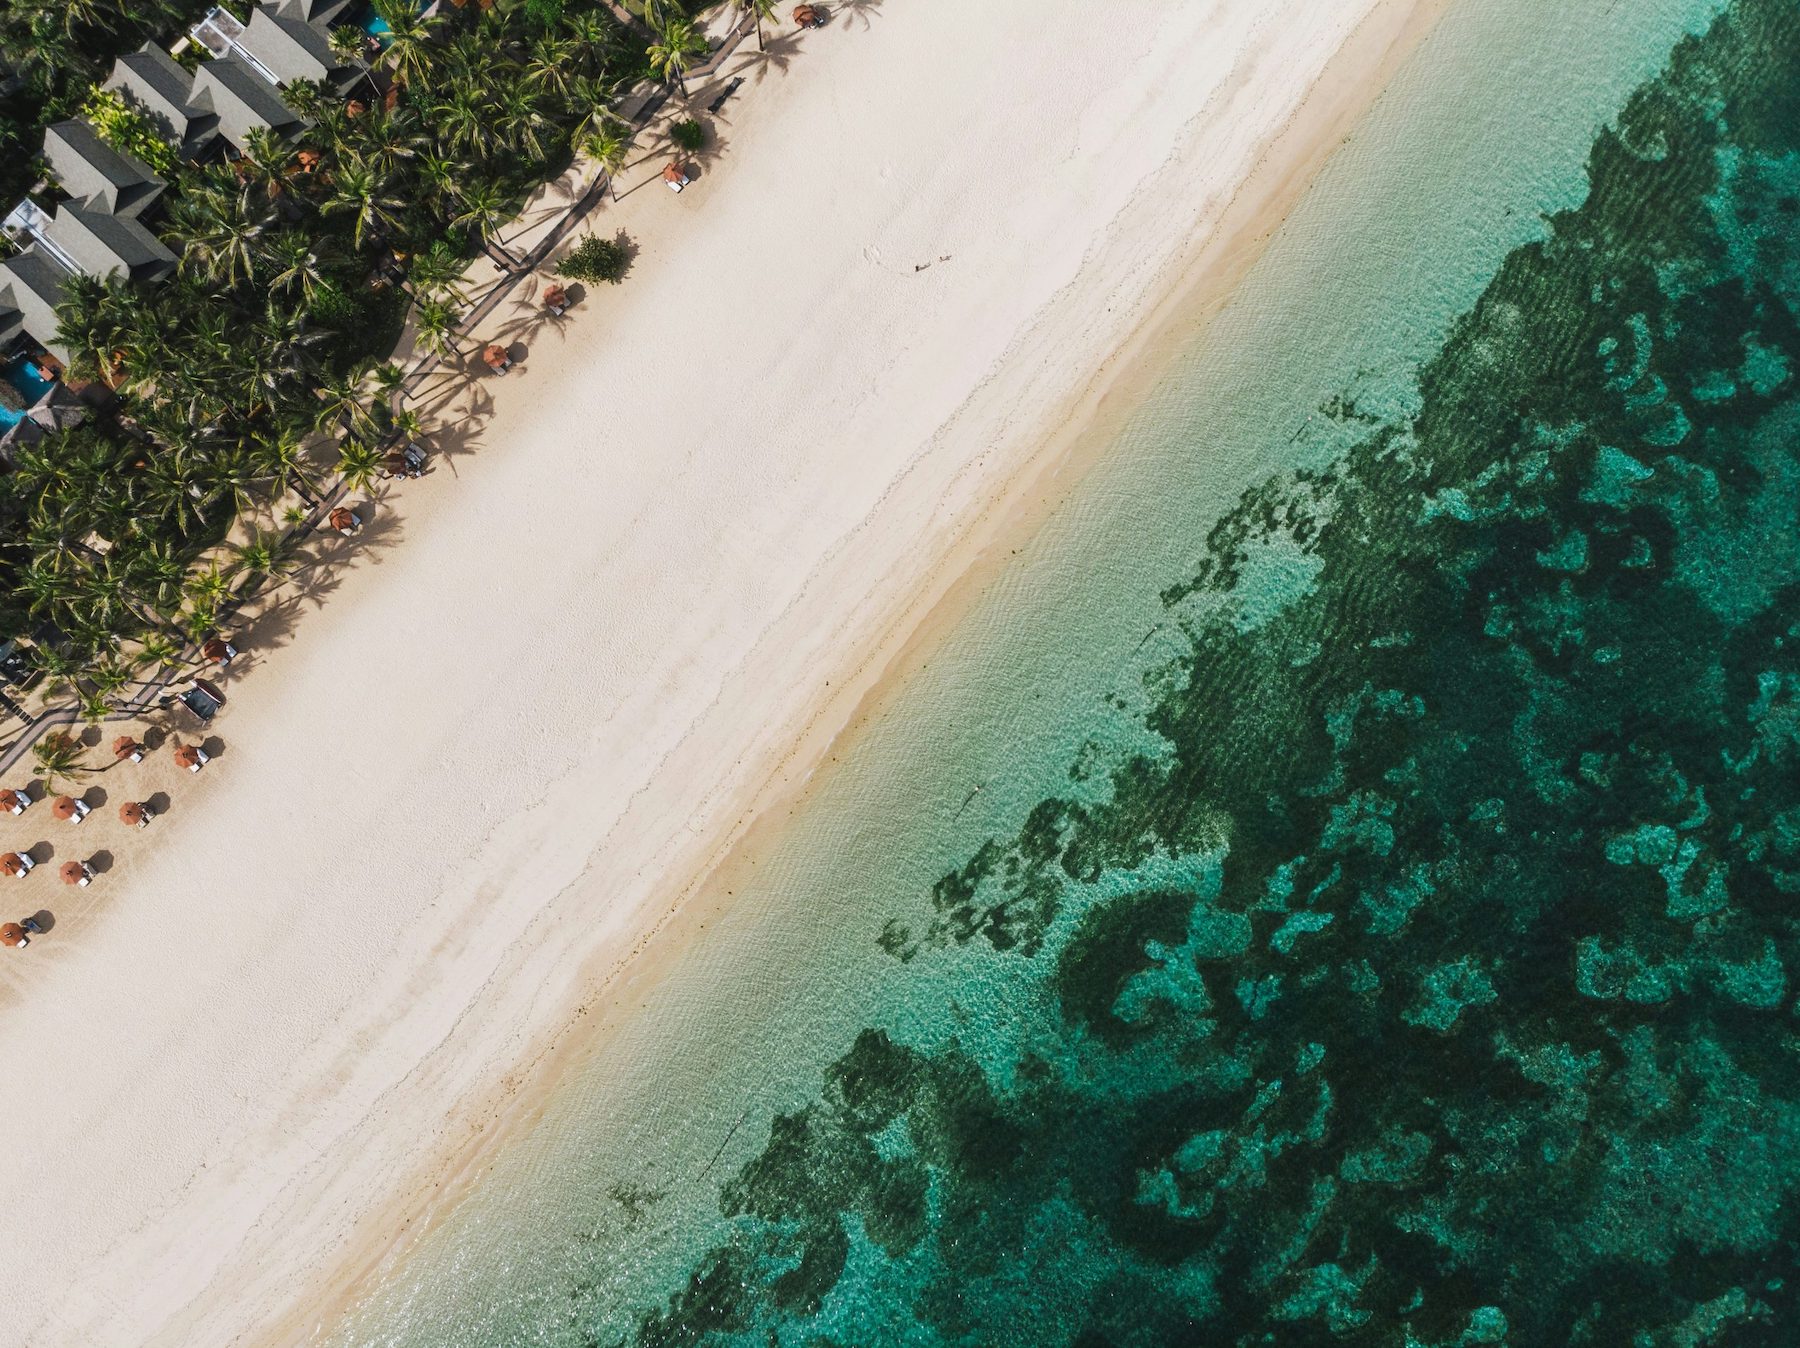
(128,131)
(689,135)
(596,259)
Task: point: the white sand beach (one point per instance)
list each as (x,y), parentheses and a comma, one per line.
(475,759)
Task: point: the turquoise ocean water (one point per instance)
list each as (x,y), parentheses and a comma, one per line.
(1340,885)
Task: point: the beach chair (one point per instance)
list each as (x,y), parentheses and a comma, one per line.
(675,177)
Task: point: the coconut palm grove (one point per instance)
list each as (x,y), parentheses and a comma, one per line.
(228,216)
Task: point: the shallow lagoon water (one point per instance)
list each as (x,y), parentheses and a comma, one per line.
(1333,887)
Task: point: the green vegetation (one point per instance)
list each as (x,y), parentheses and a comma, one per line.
(688,135)
(58,756)
(128,130)
(597,259)
(61,49)
(298,263)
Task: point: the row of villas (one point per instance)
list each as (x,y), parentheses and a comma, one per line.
(101,228)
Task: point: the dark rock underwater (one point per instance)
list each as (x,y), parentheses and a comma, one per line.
(1476,1023)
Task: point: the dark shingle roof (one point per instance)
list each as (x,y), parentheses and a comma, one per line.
(94,173)
(242,100)
(106,245)
(151,81)
(31,286)
(288,48)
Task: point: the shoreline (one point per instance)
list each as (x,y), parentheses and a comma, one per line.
(1085,429)
(996,507)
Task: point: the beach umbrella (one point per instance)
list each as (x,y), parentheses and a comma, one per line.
(74,872)
(13,801)
(132,814)
(63,807)
(672,173)
(341,519)
(187,756)
(12,934)
(124,747)
(495,355)
(14,865)
(214,649)
(554,294)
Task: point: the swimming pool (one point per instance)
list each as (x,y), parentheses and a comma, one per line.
(31,384)
(376,26)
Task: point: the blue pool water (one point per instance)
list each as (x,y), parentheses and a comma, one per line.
(29,381)
(376,26)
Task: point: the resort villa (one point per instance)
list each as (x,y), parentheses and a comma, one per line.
(100,228)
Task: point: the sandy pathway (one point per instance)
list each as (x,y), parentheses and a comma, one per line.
(548,682)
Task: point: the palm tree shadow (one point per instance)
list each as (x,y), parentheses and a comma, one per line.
(775,57)
(867,11)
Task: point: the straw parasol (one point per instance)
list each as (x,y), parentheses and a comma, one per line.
(63,807)
(555,294)
(673,173)
(214,649)
(133,815)
(495,355)
(187,756)
(14,865)
(74,872)
(805,15)
(12,801)
(341,519)
(124,747)
(12,934)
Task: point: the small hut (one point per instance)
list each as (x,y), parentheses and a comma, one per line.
(76,873)
(135,814)
(345,520)
(69,809)
(16,864)
(496,359)
(13,935)
(127,749)
(14,802)
(190,756)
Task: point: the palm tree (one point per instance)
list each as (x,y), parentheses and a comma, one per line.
(220,230)
(608,149)
(485,207)
(594,40)
(520,118)
(58,755)
(264,161)
(410,39)
(463,119)
(434,324)
(262,554)
(370,202)
(350,45)
(550,65)
(359,464)
(672,54)
(762,9)
(437,273)
(287,461)
(346,407)
(298,263)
